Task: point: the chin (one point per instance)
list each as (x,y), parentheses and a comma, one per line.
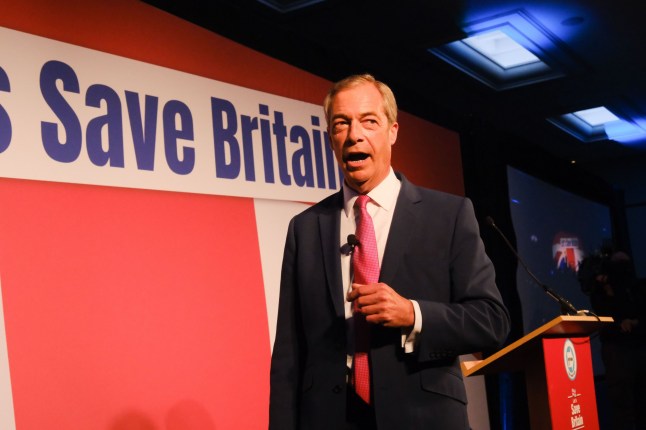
(356,179)
(360,187)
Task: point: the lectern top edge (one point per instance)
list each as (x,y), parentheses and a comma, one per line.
(561,326)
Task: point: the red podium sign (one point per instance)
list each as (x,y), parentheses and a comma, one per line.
(557,364)
(570,384)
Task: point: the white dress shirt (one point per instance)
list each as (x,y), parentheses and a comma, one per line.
(381,208)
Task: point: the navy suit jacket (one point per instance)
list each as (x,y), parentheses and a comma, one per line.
(434,255)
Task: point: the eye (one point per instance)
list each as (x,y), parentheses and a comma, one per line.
(370,123)
(339,125)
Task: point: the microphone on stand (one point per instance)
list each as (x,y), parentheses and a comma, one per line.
(566,307)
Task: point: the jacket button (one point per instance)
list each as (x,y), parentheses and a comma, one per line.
(337,389)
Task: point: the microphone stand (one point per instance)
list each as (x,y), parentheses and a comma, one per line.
(566,307)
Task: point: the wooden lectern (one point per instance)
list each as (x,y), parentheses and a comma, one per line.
(557,364)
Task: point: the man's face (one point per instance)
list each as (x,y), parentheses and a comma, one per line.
(361,136)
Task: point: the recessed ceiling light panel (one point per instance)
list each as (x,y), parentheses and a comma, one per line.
(507,50)
(501,49)
(599,123)
(596,116)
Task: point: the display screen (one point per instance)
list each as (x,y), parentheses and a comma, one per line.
(555,230)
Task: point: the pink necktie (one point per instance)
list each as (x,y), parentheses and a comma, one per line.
(365,262)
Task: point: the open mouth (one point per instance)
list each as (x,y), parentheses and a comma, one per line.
(355,156)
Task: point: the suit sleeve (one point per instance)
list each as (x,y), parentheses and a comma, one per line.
(472,317)
(286,357)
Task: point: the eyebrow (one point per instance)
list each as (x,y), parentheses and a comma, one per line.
(371,113)
(362,115)
(339,116)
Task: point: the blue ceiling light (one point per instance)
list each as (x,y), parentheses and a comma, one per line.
(596,116)
(498,47)
(507,50)
(600,123)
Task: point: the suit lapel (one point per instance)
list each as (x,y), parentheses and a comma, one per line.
(329,220)
(400,235)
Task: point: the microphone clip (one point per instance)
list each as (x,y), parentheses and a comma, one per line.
(348,248)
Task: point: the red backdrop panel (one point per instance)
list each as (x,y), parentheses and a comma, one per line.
(126,305)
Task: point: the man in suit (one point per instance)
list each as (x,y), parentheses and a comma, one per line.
(435,298)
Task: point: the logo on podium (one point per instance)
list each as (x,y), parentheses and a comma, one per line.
(569,358)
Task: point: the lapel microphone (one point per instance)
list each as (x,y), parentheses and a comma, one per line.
(348,248)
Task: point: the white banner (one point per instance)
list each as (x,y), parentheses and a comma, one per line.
(71,114)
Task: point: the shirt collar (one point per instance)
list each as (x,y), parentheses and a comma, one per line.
(383,195)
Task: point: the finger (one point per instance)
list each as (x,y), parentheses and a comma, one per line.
(373,301)
(359,290)
(380,319)
(354,292)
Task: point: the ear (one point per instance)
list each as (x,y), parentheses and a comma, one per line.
(393,133)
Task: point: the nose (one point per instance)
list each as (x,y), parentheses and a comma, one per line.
(355,132)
